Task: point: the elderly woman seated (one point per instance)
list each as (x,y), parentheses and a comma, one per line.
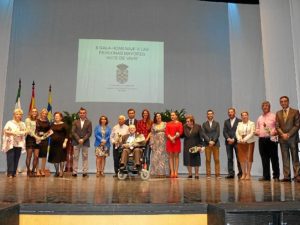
(132,143)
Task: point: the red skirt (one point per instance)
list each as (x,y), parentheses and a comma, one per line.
(173,147)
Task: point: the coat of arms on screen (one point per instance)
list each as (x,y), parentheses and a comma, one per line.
(122,73)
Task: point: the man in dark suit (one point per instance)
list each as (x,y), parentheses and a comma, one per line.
(229,130)
(132,142)
(287,126)
(131,117)
(211,133)
(81,132)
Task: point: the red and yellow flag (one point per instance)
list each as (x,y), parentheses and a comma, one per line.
(32,101)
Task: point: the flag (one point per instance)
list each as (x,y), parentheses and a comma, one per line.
(49,107)
(18,99)
(32,101)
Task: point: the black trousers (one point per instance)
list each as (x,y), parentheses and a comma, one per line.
(230,156)
(269,152)
(117,157)
(12,159)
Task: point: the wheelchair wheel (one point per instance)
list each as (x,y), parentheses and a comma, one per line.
(145,174)
(122,176)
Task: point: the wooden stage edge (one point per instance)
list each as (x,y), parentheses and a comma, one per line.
(107,200)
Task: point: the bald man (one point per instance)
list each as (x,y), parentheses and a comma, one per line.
(118,130)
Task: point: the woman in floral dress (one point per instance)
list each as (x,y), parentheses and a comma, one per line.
(159,158)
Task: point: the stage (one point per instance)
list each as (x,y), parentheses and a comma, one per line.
(109,190)
(108,196)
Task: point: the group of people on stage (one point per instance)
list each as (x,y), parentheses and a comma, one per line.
(161,142)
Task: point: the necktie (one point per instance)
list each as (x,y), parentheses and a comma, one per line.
(130,122)
(284,115)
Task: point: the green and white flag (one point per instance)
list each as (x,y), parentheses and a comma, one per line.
(18,99)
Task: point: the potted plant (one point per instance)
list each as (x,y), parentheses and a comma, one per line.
(69,118)
(166,116)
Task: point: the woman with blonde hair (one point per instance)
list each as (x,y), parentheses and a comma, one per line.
(14,134)
(245,138)
(31,142)
(43,131)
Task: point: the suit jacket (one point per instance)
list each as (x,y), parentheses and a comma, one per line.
(99,136)
(291,126)
(228,131)
(211,133)
(84,133)
(134,122)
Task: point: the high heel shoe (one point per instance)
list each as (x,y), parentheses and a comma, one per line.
(38,173)
(98,174)
(247,177)
(172,175)
(42,173)
(175,175)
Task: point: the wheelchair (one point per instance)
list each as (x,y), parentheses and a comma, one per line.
(130,170)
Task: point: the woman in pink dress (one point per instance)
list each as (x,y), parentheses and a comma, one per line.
(174,130)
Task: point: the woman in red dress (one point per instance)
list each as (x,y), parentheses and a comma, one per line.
(174,130)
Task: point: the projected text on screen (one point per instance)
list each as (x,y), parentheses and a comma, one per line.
(120,71)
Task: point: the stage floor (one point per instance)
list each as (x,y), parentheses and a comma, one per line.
(109,190)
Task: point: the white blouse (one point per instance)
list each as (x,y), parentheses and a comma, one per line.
(17,138)
(245,131)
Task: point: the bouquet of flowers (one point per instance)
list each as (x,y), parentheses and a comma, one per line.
(196,149)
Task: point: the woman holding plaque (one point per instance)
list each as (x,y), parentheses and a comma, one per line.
(58,152)
(102,144)
(43,131)
(31,142)
(173,132)
(13,143)
(245,137)
(193,143)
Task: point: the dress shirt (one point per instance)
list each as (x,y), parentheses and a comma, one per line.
(265,125)
(232,121)
(130,139)
(121,130)
(81,123)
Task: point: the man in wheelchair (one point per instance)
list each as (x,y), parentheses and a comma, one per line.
(132,143)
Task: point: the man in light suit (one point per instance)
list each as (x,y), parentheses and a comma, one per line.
(131,117)
(287,126)
(211,133)
(81,132)
(229,130)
